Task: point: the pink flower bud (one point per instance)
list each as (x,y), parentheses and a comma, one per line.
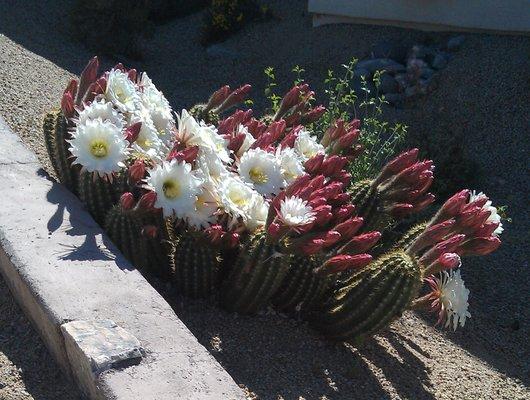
(322,215)
(401,162)
(479,246)
(453,206)
(217,98)
(189,154)
(132,132)
(236,97)
(72,88)
(349,227)
(401,210)
(235,142)
(147,201)
(344,262)
(88,76)
(344,212)
(348,140)
(214,233)
(361,243)
(150,231)
(67,105)
(132,74)
(127,201)
(312,246)
(274,230)
(314,115)
(449,261)
(312,166)
(137,171)
(447,246)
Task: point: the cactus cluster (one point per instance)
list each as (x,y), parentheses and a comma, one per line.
(258,212)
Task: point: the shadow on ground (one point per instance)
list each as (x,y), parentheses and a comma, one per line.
(483,93)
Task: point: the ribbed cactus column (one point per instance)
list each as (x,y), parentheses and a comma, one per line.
(302,289)
(55,135)
(365,199)
(196,265)
(100,195)
(371,298)
(124,229)
(255,277)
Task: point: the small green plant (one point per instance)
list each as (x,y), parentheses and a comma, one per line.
(225,17)
(380,139)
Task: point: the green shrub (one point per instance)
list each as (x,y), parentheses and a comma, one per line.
(225,17)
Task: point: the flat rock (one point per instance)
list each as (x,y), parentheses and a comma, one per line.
(100,345)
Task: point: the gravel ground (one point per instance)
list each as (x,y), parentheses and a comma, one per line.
(483,92)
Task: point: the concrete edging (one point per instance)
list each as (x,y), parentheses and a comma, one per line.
(61,267)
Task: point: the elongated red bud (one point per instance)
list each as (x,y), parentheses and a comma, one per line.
(361,243)
(137,171)
(218,97)
(127,201)
(348,140)
(401,162)
(274,230)
(132,74)
(401,210)
(314,115)
(72,88)
(88,76)
(132,132)
(312,166)
(236,97)
(235,142)
(453,206)
(67,105)
(150,231)
(147,201)
(231,239)
(449,261)
(344,212)
(344,262)
(189,154)
(214,233)
(349,227)
(479,246)
(313,246)
(447,246)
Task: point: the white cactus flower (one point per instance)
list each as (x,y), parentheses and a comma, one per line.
(494,214)
(122,92)
(296,212)
(262,170)
(176,187)
(99,146)
(306,145)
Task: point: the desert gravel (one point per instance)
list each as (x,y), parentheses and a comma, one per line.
(484,92)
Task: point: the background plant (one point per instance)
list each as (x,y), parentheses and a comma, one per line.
(225,17)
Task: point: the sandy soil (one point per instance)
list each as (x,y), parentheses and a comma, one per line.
(483,93)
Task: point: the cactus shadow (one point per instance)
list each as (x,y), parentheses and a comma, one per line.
(278,357)
(67,218)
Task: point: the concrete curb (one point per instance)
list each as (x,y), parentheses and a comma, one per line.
(61,267)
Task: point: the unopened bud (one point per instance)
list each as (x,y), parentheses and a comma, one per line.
(127,201)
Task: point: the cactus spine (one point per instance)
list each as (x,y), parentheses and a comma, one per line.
(302,289)
(99,195)
(255,278)
(56,133)
(371,298)
(196,265)
(410,236)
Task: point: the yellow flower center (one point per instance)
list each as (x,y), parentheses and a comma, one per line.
(257,176)
(171,189)
(238,199)
(144,143)
(99,148)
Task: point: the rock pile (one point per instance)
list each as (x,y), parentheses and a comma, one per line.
(406,71)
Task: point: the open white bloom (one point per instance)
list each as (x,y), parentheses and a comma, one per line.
(494,215)
(157,105)
(148,141)
(193,133)
(103,110)
(296,212)
(257,213)
(121,91)
(291,164)
(176,187)
(450,297)
(236,197)
(205,207)
(306,145)
(99,146)
(249,140)
(262,170)
(211,165)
